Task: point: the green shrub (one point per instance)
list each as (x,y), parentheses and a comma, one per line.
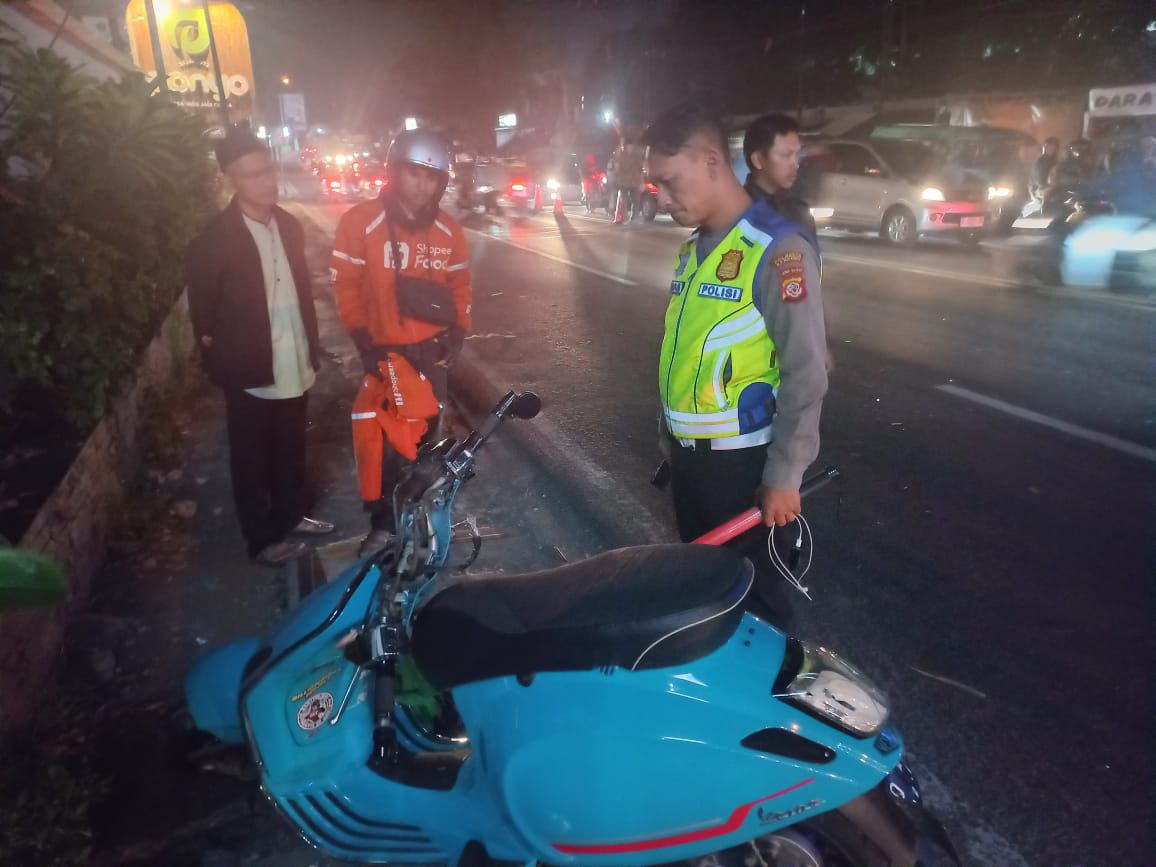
(103,186)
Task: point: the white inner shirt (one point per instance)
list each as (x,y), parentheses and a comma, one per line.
(292,370)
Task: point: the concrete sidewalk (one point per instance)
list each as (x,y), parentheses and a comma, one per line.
(178,584)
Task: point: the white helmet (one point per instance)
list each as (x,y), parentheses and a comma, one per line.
(420,147)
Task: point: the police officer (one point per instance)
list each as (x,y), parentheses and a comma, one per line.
(772,149)
(744,345)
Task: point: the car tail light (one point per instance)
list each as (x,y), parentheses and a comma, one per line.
(518,188)
(651,188)
(335,185)
(379,182)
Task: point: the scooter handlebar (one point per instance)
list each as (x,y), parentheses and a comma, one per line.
(753,517)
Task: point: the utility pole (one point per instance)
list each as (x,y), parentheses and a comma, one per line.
(155,40)
(222,97)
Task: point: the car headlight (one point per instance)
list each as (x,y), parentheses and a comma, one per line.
(998,192)
(485,188)
(829,687)
(552,184)
(933,194)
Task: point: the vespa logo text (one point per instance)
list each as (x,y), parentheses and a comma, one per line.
(723,293)
(772,817)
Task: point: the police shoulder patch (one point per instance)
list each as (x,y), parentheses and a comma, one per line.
(792,284)
(788,258)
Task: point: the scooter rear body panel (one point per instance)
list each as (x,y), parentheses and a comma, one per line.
(591,767)
(620,767)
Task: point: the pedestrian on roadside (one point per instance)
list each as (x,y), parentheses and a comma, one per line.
(742,370)
(402,281)
(772,149)
(1042,170)
(630,158)
(251,305)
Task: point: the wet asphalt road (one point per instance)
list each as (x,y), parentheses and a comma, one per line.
(987,558)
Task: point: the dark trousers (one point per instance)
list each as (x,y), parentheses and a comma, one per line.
(267,460)
(710,487)
(381,512)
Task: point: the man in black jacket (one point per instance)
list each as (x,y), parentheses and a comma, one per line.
(254,322)
(772,147)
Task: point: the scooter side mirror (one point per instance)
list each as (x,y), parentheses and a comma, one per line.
(526,405)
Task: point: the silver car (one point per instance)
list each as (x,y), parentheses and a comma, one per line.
(900,189)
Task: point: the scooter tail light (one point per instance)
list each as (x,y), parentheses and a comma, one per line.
(830,688)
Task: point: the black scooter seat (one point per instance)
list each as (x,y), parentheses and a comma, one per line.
(643,607)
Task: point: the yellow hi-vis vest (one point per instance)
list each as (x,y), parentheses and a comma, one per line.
(718,370)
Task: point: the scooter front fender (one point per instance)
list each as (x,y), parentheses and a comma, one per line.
(213,689)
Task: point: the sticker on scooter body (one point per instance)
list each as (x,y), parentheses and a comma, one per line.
(315,711)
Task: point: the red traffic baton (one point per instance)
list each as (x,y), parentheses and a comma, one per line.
(727,530)
(753,517)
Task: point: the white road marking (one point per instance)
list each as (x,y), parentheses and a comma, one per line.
(602,221)
(989,280)
(941,273)
(949,681)
(1115,443)
(625,281)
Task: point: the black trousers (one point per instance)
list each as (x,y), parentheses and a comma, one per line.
(710,487)
(381,513)
(267,460)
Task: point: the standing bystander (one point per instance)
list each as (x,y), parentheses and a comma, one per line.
(255,326)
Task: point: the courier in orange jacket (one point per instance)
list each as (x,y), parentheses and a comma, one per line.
(402,282)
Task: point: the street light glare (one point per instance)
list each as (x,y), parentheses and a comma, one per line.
(285,80)
(608,115)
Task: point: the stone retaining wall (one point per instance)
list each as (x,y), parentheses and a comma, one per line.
(74,524)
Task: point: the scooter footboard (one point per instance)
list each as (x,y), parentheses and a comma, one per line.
(213,689)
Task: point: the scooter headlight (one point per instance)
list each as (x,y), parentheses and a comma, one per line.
(552,184)
(829,687)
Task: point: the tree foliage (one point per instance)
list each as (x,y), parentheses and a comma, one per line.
(103,185)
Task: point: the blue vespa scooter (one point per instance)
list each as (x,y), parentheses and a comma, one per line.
(622,710)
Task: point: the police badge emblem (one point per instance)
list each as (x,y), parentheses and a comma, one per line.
(728,268)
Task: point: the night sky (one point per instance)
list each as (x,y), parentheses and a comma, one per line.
(364,64)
